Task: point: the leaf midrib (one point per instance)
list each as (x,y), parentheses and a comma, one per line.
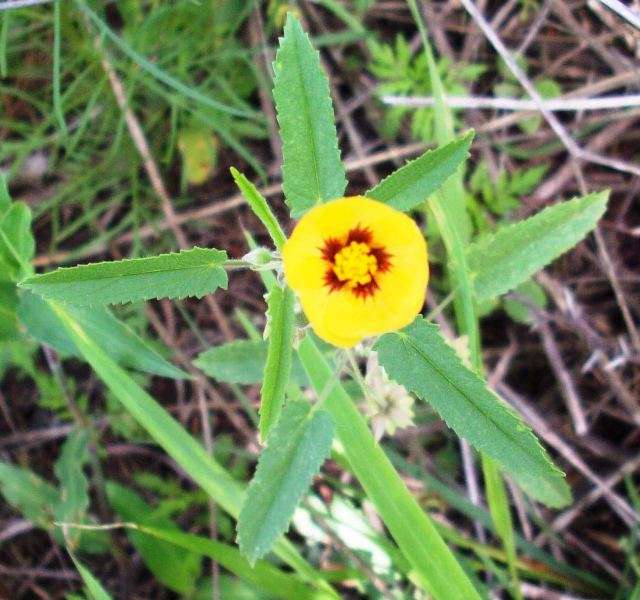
(506,433)
(307,115)
(44,279)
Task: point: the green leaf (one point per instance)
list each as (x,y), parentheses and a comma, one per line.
(312,171)
(280,319)
(551,491)
(172,566)
(242,362)
(297,447)
(73,502)
(5,198)
(501,515)
(532,295)
(194,272)
(8,308)
(176,441)
(418,358)
(94,587)
(262,575)
(28,493)
(434,566)
(17,245)
(120,342)
(412,184)
(501,261)
(260,207)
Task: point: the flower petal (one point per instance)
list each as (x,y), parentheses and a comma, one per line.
(340,316)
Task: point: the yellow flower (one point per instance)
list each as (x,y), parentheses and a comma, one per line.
(360,269)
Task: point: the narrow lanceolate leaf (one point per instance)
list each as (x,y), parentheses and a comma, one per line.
(277,369)
(28,493)
(119,341)
(412,184)
(312,171)
(418,358)
(8,307)
(5,198)
(72,505)
(194,272)
(262,575)
(95,590)
(501,261)
(296,449)
(242,362)
(174,567)
(17,245)
(260,207)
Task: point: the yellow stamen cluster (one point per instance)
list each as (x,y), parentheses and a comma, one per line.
(355,264)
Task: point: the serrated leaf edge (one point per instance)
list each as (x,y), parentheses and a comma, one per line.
(488,239)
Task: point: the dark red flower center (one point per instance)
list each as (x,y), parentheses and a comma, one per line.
(354,262)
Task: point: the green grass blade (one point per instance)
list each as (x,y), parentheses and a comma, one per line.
(173,566)
(57,98)
(452,189)
(501,261)
(262,575)
(412,184)
(5,198)
(195,272)
(296,449)
(172,437)
(312,171)
(94,587)
(277,370)
(435,566)
(158,73)
(501,516)
(418,358)
(260,207)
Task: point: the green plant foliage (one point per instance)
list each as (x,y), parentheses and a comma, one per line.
(8,308)
(412,184)
(172,566)
(501,261)
(5,198)
(499,197)
(527,295)
(94,588)
(402,73)
(277,369)
(312,171)
(17,245)
(434,565)
(73,502)
(262,574)
(552,491)
(172,437)
(242,362)
(31,495)
(194,272)
(296,449)
(260,207)
(418,358)
(120,342)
